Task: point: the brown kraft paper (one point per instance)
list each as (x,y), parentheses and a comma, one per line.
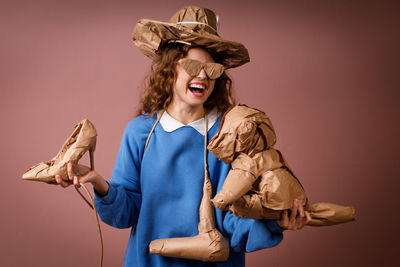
(208,245)
(260,183)
(81,140)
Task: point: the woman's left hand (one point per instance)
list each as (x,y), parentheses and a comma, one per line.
(297,219)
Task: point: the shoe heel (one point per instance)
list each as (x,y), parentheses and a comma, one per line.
(91,154)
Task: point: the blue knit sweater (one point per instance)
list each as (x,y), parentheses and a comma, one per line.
(157,194)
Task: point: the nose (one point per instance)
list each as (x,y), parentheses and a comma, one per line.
(202,74)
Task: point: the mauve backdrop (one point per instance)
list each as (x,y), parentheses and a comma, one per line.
(326,72)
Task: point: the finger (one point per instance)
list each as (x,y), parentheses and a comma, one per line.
(70,172)
(76,182)
(285,215)
(58,179)
(308,217)
(285,218)
(293,215)
(301,210)
(305,220)
(61,182)
(284,221)
(299,223)
(85,178)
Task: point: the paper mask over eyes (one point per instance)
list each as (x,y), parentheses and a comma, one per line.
(193,68)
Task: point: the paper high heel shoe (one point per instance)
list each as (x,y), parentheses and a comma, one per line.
(83,139)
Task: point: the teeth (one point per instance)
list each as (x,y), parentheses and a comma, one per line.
(197,86)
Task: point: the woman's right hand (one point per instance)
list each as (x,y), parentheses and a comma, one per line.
(83,174)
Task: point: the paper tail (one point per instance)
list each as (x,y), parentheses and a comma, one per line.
(322,214)
(325,214)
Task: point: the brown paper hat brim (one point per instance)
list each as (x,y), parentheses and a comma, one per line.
(150,35)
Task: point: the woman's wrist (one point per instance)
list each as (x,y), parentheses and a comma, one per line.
(101,186)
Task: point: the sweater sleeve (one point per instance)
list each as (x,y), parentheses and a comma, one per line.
(120,207)
(247,235)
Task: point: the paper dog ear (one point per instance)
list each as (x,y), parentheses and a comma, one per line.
(242,129)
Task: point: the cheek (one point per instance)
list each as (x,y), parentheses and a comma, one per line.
(183,81)
(180,82)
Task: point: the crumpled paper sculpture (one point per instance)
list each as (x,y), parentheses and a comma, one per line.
(83,139)
(208,245)
(260,183)
(151,35)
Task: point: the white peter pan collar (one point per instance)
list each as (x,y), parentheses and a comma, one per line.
(170,124)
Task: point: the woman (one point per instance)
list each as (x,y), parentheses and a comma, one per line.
(156,188)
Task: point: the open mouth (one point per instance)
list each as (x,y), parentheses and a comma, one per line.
(197,89)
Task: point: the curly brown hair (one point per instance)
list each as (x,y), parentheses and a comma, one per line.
(158,91)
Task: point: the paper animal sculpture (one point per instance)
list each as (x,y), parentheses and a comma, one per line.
(260,183)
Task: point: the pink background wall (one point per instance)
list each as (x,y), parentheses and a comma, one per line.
(326,72)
